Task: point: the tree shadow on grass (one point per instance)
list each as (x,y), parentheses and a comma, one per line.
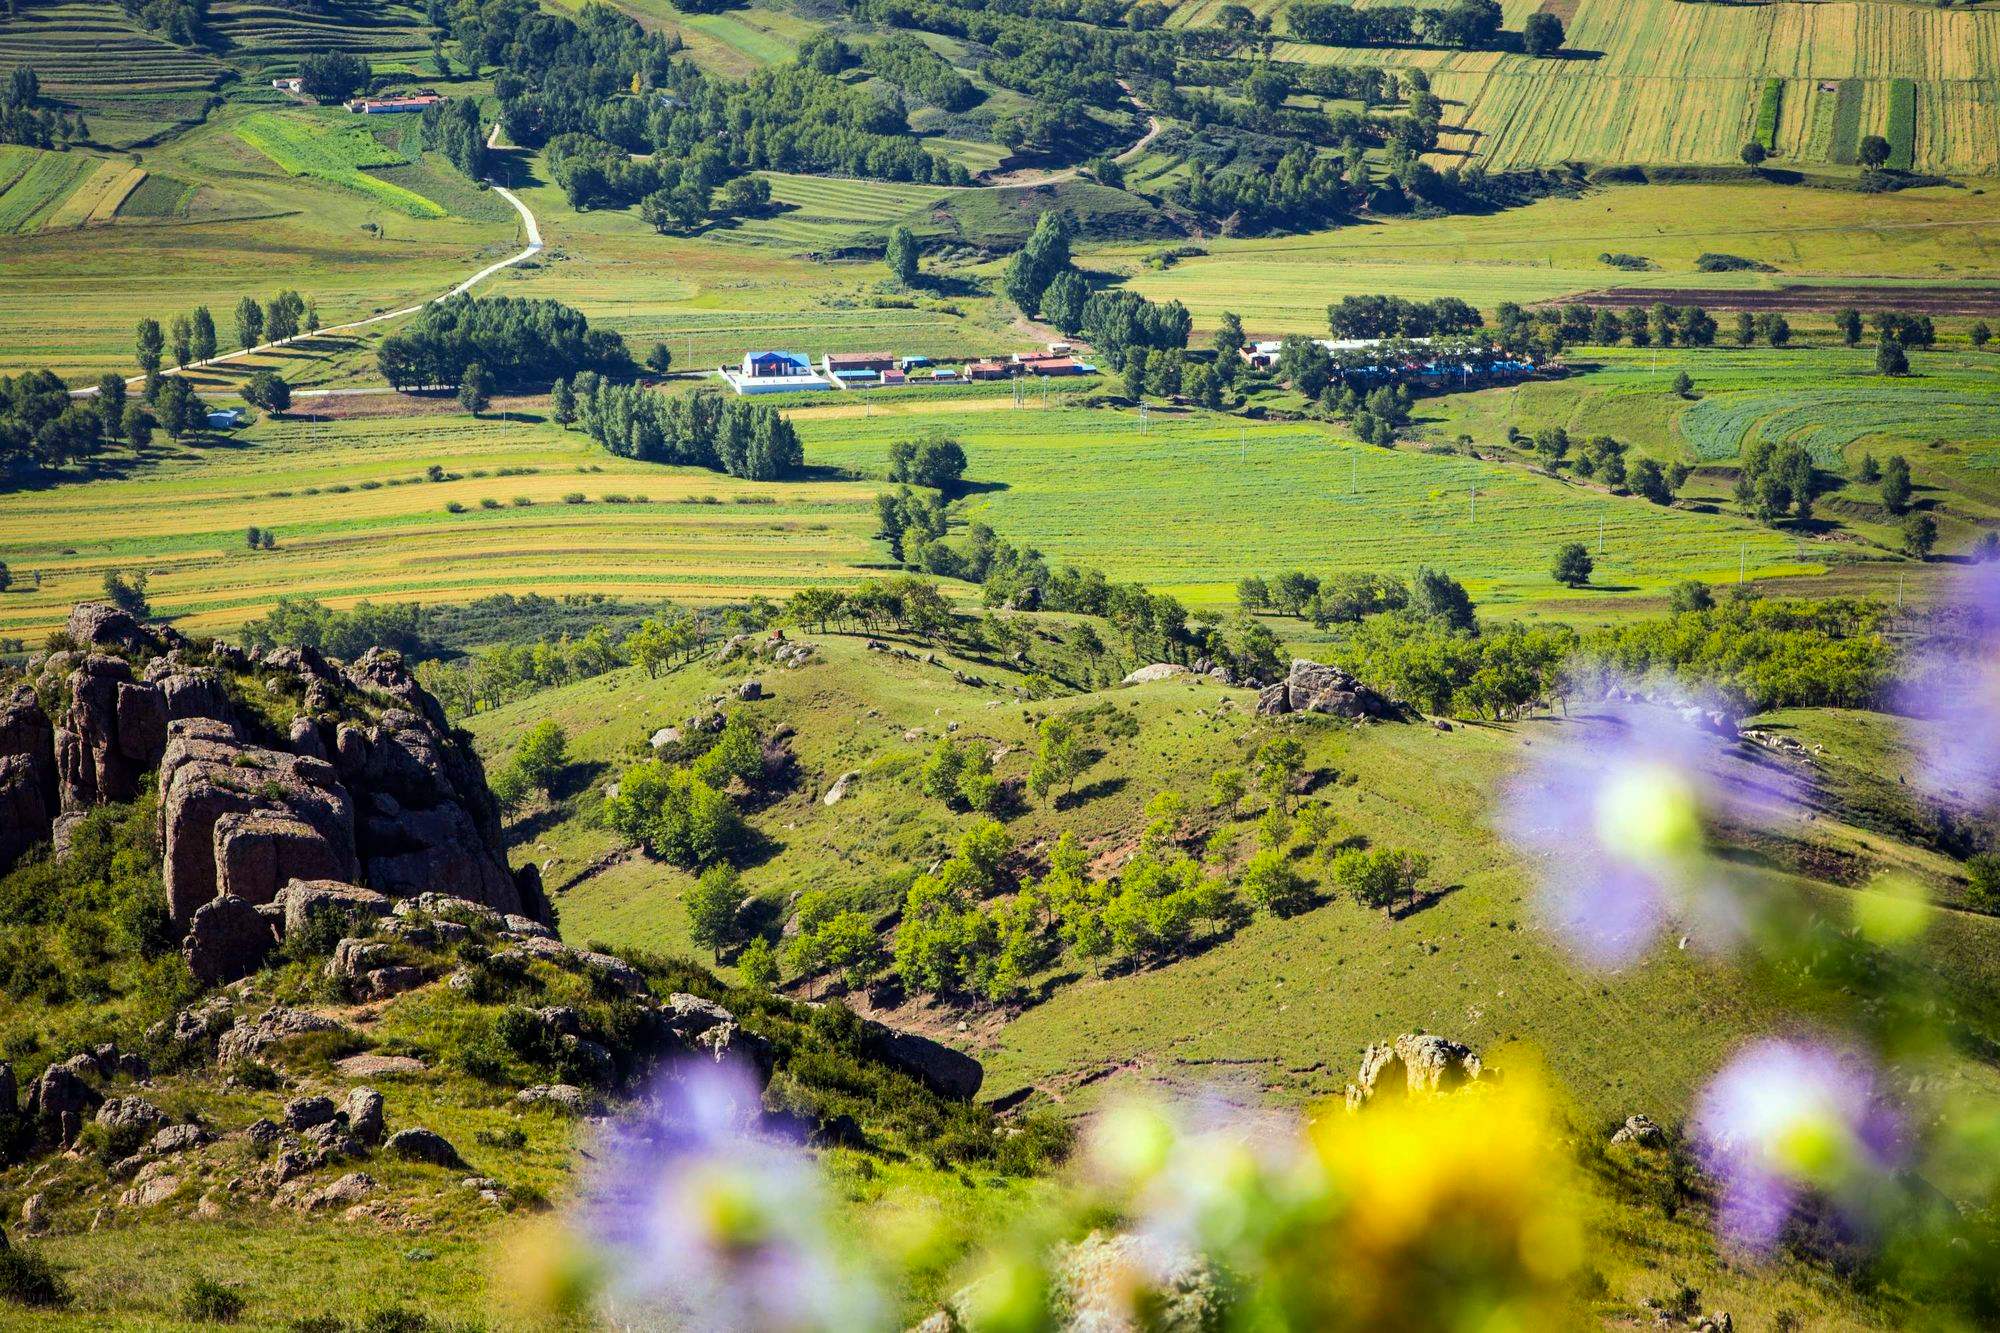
(1084,795)
(1425,903)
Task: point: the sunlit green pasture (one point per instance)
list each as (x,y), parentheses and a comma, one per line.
(1193,502)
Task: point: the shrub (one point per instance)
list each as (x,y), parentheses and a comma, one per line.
(206,1301)
(28,1279)
(575,498)
(453,507)
(489,503)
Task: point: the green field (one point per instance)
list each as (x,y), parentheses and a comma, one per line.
(334,152)
(1194,502)
(1282,285)
(37,184)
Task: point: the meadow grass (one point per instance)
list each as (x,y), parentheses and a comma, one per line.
(45,180)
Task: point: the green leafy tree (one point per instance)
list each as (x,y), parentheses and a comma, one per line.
(1982,889)
(149,343)
(475,390)
(1061,756)
(1873,151)
(1848,321)
(758,965)
(1920,534)
(902,255)
(714,906)
(674,815)
(202,334)
(1891,359)
(1270,882)
(268,390)
(1897,488)
(1226,787)
(562,403)
(1278,765)
(1573,565)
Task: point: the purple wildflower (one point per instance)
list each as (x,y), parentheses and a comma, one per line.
(1612,814)
(713,1223)
(1954,684)
(1785,1119)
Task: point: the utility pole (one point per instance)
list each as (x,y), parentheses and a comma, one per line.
(1742,558)
(1472,506)
(1600,534)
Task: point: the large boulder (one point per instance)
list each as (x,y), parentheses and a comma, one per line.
(302,900)
(1414,1064)
(279,1023)
(1313,687)
(227,938)
(102,625)
(945,1071)
(423,1145)
(1157,671)
(59,1102)
(257,853)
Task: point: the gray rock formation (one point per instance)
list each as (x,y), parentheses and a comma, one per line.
(1313,687)
(947,1072)
(423,1145)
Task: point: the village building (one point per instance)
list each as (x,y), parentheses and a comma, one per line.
(774,372)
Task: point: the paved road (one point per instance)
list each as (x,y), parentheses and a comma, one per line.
(534,247)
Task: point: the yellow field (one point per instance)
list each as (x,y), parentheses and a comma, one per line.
(355,517)
(1669,82)
(97,197)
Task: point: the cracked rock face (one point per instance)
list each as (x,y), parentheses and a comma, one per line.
(368,785)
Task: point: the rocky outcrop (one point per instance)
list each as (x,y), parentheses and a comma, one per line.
(29,797)
(252,1037)
(227,938)
(1413,1064)
(423,1145)
(1158,671)
(241,818)
(367,785)
(945,1071)
(1641,1131)
(1314,687)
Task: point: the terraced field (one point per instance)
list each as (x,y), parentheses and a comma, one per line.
(335,152)
(1683,83)
(1827,421)
(355,518)
(38,184)
(88,47)
(269,36)
(818,213)
(1194,502)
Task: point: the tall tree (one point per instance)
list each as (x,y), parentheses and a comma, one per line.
(150,344)
(203,345)
(902,255)
(249,323)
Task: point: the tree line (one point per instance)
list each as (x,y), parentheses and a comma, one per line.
(24,120)
(1466,25)
(705,428)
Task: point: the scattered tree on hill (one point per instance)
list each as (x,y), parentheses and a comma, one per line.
(1691,595)
(1380,877)
(1897,488)
(1063,300)
(1982,889)
(1979,334)
(562,403)
(1683,384)
(1754,153)
(1891,359)
(518,341)
(714,906)
(758,965)
(1037,263)
(1270,882)
(934,460)
(1439,597)
(660,358)
(1226,787)
(475,388)
(249,323)
(202,342)
(1278,764)
(1920,534)
(268,390)
(1543,35)
(284,317)
(1061,756)
(676,815)
(1573,565)
(536,765)
(1869,470)
(901,255)
(128,593)
(1848,321)
(180,341)
(1873,151)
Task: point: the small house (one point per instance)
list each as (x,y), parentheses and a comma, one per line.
(989,370)
(842,364)
(383,106)
(1052,365)
(944,375)
(909,363)
(774,365)
(290,85)
(893,377)
(1263,355)
(225,418)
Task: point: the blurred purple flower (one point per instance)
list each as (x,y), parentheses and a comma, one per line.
(1954,684)
(1612,814)
(1785,1119)
(712,1222)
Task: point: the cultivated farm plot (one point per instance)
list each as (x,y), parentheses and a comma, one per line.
(1194,502)
(1828,420)
(1683,83)
(38,184)
(825,212)
(355,519)
(334,153)
(265,33)
(83,47)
